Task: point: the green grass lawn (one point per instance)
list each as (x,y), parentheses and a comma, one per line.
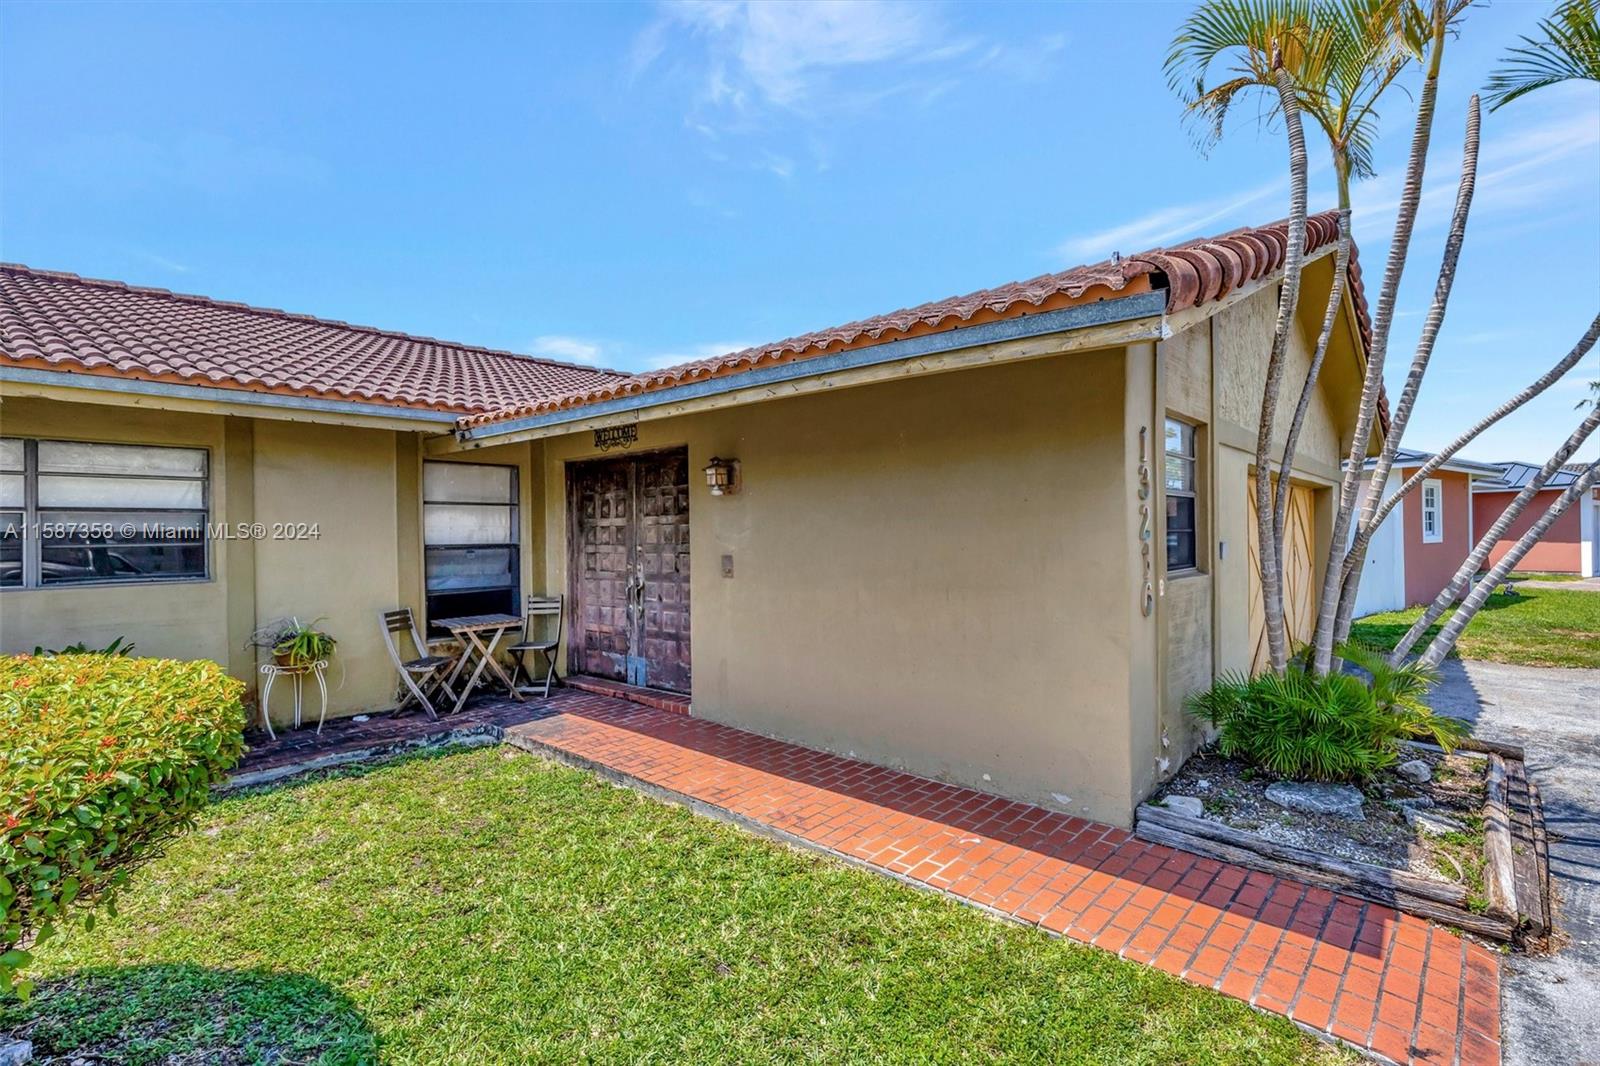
(487,906)
(1536,627)
(1531,575)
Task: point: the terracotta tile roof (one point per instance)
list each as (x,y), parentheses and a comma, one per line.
(1191,274)
(56,321)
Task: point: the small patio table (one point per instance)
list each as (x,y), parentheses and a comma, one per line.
(478,634)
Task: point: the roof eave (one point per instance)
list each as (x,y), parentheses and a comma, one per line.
(1105,323)
(191,397)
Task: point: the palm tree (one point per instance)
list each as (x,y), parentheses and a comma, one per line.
(1341,55)
(1568,51)
(1331,60)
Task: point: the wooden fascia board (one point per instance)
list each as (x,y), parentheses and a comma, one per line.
(1105,324)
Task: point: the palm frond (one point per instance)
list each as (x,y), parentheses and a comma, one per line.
(1569,50)
(1340,54)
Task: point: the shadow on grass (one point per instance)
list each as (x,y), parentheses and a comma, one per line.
(169,1014)
(366,768)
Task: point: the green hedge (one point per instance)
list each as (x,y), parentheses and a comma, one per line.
(105,759)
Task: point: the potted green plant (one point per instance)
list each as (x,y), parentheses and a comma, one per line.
(295,643)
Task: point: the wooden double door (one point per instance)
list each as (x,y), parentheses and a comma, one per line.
(628,566)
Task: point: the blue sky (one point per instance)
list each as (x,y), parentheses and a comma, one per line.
(635,185)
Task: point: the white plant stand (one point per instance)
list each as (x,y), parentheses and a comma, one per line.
(297,674)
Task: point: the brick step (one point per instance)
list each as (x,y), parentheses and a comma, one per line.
(661,700)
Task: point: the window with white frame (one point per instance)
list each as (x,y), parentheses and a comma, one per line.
(1432,511)
(73,512)
(1182,507)
(470,539)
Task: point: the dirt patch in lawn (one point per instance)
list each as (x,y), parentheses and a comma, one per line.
(1235,794)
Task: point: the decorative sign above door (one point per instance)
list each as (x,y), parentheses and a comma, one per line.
(610,437)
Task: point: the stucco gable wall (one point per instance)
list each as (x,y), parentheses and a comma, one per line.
(1243,335)
(1213,374)
(931,574)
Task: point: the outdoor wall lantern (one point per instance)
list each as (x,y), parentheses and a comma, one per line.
(722,476)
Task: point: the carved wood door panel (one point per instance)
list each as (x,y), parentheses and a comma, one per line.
(600,507)
(628,560)
(662,553)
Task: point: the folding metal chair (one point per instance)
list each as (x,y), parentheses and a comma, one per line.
(421,676)
(539,608)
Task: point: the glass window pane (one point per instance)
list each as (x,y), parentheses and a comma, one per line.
(69,563)
(72,457)
(11,491)
(121,527)
(469,568)
(467,483)
(459,523)
(10,548)
(1180,550)
(1180,437)
(1180,474)
(10,453)
(1180,513)
(57,490)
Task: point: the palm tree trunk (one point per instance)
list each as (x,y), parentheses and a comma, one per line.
(1480,551)
(1372,385)
(1585,344)
(1440,646)
(1350,578)
(1330,317)
(1270,543)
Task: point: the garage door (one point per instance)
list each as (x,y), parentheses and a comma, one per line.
(1299,573)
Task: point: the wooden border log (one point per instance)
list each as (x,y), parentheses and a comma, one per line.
(1531,913)
(1482,924)
(1339,872)
(1499,875)
(1541,840)
(1492,747)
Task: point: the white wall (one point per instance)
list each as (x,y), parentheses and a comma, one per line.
(1383,585)
(1589,547)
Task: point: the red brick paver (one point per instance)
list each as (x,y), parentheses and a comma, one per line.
(1386,982)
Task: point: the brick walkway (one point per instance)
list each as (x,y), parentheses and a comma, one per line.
(1386,982)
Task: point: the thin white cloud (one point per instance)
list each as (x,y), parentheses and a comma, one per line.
(567,349)
(694,353)
(1525,168)
(785,53)
(162,261)
(747,67)
(1170,224)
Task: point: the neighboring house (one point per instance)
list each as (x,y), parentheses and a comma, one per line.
(994,539)
(1424,541)
(1567,547)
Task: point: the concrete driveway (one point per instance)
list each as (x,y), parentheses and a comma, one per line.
(1550,1005)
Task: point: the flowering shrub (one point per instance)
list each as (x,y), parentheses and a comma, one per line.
(105,759)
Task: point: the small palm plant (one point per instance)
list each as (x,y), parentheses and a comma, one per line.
(1334,727)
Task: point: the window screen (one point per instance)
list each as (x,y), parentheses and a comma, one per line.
(73,512)
(1182,528)
(470,540)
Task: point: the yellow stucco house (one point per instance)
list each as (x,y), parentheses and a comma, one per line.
(993,540)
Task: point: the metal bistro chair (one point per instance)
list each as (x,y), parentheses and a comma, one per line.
(422,676)
(538,607)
